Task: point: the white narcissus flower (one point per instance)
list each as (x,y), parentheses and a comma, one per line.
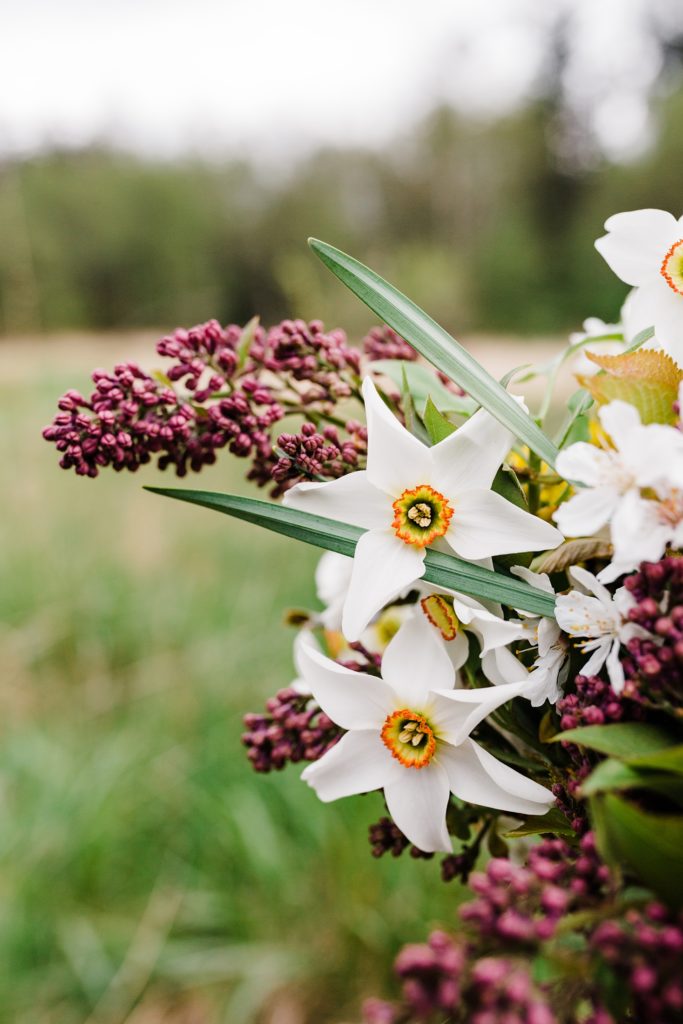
(411,496)
(594,613)
(645,249)
(408,734)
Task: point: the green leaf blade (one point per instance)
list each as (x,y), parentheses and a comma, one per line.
(435,344)
(441,569)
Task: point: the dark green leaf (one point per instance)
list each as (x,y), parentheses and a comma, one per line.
(611,775)
(669,760)
(436,345)
(650,844)
(441,569)
(622,739)
(506,483)
(553,821)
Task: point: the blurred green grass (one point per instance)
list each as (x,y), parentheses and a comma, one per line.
(146,873)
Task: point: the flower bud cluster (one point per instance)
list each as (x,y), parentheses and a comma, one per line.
(653,666)
(440,981)
(312,454)
(644,951)
(483,975)
(305,352)
(292,729)
(384,343)
(205,357)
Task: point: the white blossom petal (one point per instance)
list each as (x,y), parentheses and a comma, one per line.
(455,713)
(597,658)
(479,778)
(351,699)
(615,670)
(590,583)
(540,580)
(668,322)
(471,456)
(358,763)
(396,461)
(484,524)
(636,243)
(621,421)
(587,511)
(583,462)
(383,566)
(416,662)
(332,578)
(500,666)
(417,803)
(350,499)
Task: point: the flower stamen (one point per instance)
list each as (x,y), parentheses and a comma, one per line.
(409,737)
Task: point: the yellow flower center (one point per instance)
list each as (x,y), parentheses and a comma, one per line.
(421,515)
(439,610)
(672,267)
(409,737)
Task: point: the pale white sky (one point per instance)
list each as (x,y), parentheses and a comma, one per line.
(268,77)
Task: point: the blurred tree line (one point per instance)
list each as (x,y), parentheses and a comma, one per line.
(481,223)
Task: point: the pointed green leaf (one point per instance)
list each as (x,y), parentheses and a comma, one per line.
(441,569)
(436,345)
(438,427)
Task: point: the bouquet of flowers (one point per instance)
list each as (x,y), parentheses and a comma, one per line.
(500,649)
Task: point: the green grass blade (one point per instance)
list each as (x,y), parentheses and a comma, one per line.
(443,570)
(435,344)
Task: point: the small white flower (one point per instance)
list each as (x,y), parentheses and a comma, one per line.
(543,682)
(411,496)
(409,734)
(642,456)
(645,249)
(594,613)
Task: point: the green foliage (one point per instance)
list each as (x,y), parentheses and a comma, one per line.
(649,843)
(435,344)
(442,569)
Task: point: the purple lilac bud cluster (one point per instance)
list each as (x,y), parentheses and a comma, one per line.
(384,343)
(483,976)
(594,702)
(128,418)
(653,667)
(216,393)
(644,952)
(441,982)
(206,355)
(306,353)
(292,729)
(314,454)
(523,905)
